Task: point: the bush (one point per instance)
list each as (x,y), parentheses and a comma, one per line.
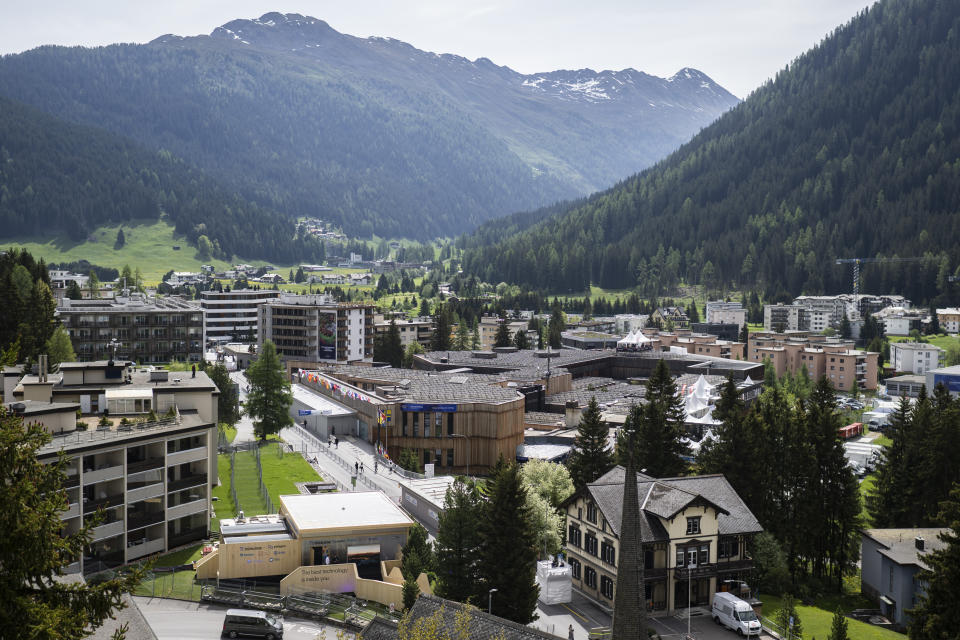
(104,421)
(81,425)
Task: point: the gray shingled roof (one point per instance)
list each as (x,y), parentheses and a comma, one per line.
(666,496)
(483,626)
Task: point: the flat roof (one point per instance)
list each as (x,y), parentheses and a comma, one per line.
(343,511)
(317,402)
(432,489)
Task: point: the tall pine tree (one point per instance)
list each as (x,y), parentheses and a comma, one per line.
(269,399)
(508,548)
(590,457)
(458,543)
(659,448)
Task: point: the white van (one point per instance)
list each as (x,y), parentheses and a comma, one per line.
(735,614)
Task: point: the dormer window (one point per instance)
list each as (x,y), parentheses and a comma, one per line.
(693,526)
(592,512)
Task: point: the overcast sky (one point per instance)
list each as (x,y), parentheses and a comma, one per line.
(739,43)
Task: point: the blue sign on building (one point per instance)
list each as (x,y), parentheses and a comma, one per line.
(436,408)
(304,412)
(952,383)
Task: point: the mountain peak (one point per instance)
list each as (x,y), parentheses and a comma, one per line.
(276,29)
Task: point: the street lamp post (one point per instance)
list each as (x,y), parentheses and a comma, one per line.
(490,600)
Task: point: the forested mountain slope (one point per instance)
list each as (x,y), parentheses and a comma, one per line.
(851,151)
(62,178)
(371,133)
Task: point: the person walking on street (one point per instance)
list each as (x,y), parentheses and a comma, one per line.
(356,468)
(376,464)
(570,633)
(336,442)
(361,467)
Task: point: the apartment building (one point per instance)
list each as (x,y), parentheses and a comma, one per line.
(720,312)
(917,358)
(231,316)
(822,356)
(146,330)
(309,329)
(898,321)
(152,475)
(783,317)
(488,327)
(949,319)
(701,344)
(419,330)
(694,533)
(61,279)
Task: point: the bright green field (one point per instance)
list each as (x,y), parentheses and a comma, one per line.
(865,488)
(149,246)
(941,340)
(817,621)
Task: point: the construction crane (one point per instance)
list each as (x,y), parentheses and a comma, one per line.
(856,262)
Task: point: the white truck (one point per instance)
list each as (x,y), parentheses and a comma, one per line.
(735,614)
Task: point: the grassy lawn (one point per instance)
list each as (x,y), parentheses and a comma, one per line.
(223,507)
(149,246)
(817,620)
(281,474)
(169,584)
(229,432)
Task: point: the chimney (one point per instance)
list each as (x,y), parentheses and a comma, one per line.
(43,367)
(918,542)
(572,413)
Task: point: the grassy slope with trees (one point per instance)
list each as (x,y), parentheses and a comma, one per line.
(56,175)
(852,150)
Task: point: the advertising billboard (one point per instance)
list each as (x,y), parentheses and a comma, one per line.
(327,340)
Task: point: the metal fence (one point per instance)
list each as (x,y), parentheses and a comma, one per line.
(263,488)
(313,445)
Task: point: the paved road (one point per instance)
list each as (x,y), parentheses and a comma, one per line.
(581,613)
(180,620)
(245,425)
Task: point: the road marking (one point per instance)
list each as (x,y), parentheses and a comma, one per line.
(574,612)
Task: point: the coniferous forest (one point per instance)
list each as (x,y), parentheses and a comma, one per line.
(853,150)
(70,178)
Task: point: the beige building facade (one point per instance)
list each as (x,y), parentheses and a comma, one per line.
(694,532)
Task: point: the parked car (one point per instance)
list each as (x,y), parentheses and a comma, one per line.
(252,623)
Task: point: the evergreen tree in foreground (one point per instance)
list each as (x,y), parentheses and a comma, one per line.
(508,548)
(591,456)
(269,399)
(33,553)
(935,616)
(838,628)
(457,544)
(228,408)
(662,418)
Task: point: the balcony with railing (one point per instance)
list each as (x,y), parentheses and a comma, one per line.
(187,481)
(107,530)
(138,519)
(699,571)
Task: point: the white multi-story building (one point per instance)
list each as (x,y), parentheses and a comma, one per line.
(231,316)
(153,479)
(915,357)
(418,330)
(311,329)
(720,312)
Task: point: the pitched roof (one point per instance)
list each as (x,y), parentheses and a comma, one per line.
(665,497)
(482,626)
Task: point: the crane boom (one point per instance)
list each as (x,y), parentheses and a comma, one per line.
(856,262)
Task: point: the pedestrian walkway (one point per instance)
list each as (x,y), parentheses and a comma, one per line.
(245,424)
